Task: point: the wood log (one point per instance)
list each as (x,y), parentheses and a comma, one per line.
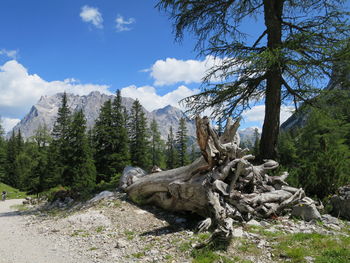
(222,186)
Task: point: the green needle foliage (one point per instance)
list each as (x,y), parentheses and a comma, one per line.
(157,146)
(139,135)
(81,172)
(181,143)
(171,152)
(286,61)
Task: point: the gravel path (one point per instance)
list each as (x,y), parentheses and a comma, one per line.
(19,244)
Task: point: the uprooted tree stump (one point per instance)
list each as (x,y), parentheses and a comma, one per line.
(222,185)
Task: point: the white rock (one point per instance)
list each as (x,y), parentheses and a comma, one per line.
(101,196)
(253,222)
(238,232)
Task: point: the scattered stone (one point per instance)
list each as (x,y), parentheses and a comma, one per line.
(238,232)
(309,259)
(130,175)
(121,244)
(88,220)
(101,196)
(341,203)
(328,219)
(253,222)
(262,244)
(306,210)
(264,224)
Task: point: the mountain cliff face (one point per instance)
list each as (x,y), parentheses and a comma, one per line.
(340,81)
(45,112)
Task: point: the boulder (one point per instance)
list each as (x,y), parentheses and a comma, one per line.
(101,196)
(306,210)
(341,203)
(130,175)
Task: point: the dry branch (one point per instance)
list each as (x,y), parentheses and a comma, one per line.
(222,186)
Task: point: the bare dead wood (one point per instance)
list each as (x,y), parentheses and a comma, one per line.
(222,185)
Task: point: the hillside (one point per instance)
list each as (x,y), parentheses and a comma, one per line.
(44,112)
(12,193)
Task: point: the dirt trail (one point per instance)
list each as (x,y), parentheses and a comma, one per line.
(19,244)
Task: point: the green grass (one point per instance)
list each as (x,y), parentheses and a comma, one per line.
(129,234)
(80,232)
(138,254)
(324,248)
(263,232)
(12,193)
(99,229)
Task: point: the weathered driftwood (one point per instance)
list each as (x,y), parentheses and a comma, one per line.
(222,185)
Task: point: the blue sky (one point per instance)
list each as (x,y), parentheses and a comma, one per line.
(79,46)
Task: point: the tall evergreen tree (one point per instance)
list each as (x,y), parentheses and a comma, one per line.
(39,176)
(14,148)
(139,144)
(324,158)
(157,146)
(81,172)
(256,146)
(26,162)
(120,140)
(103,143)
(60,148)
(2,153)
(181,143)
(284,61)
(171,152)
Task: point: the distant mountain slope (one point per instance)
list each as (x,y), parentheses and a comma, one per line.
(340,81)
(45,112)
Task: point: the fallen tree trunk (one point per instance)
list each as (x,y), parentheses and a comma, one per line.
(222,185)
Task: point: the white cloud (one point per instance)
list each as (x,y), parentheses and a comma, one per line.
(9,123)
(172,70)
(19,90)
(257,113)
(9,53)
(123,24)
(151,100)
(91,15)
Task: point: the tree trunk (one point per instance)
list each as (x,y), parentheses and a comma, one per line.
(273,12)
(222,185)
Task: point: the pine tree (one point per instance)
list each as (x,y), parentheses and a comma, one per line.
(103,143)
(256,146)
(120,140)
(2,154)
(26,163)
(60,148)
(14,148)
(157,146)
(139,144)
(81,172)
(171,152)
(181,143)
(295,45)
(38,180)
(324,157)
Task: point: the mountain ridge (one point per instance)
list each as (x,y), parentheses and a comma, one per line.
(44,113)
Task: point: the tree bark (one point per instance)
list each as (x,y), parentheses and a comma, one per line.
(221,186)
(268,144)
